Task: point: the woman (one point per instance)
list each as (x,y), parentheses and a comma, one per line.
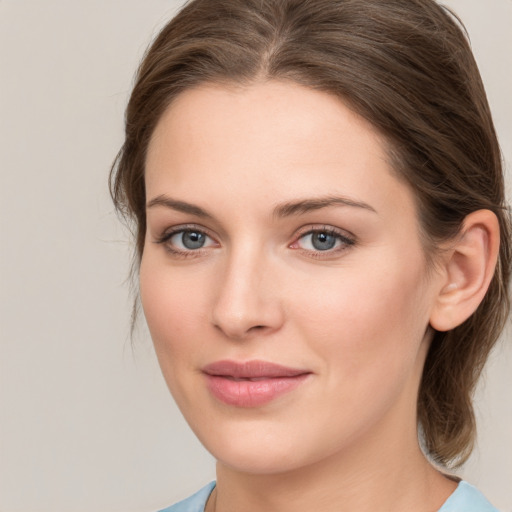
(323,246)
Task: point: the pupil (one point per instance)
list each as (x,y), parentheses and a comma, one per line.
(193,239)
(323,241)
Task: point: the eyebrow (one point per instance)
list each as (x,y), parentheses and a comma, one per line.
(307,205)
(282,210)
(180,206)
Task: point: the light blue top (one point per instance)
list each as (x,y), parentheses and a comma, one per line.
(194,503)
(465,498)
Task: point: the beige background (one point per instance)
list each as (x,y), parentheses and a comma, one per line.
(85,424)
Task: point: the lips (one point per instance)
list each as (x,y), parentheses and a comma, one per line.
(251,383)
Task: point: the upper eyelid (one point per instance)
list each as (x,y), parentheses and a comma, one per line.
(186,227)
(299,232)
(325,228)
(345,241)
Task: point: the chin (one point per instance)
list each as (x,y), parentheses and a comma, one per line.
(258,462)
(254,449)
(250,450)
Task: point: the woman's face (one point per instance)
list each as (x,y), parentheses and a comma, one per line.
(278,235)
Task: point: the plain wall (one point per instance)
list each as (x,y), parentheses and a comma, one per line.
(86,424)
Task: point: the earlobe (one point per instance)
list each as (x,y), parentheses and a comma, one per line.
(467,270)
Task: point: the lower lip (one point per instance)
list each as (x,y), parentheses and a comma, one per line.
(247,393)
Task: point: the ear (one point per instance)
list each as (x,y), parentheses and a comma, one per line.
(467,269)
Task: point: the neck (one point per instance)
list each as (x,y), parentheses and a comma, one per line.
(331,488)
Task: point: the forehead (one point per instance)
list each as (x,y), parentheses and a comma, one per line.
(274,140)
(255,114)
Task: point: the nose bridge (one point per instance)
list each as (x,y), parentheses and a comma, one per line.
(246,298)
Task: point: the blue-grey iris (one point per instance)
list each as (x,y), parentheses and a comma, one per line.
(193,239)
(323,241)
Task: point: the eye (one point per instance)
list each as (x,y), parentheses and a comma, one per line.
(323,240)
(189,240)
(182,241)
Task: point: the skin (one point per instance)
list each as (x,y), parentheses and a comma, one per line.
(357,316)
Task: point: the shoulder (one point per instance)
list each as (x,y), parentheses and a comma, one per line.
(467,498)
(194,503)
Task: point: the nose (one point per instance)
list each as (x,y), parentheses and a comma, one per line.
(247,301)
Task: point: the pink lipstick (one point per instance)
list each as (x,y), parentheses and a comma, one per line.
(251,383)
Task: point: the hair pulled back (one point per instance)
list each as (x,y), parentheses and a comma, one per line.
(405,66)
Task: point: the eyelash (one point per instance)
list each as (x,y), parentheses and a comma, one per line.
(191,253)
(346,240)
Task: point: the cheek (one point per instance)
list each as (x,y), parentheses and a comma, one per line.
(174,307)
(366,332)
(372,322)
(175,311)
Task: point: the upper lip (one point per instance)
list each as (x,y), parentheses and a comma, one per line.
(251,369)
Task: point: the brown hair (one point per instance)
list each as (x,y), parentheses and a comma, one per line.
(405,66)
